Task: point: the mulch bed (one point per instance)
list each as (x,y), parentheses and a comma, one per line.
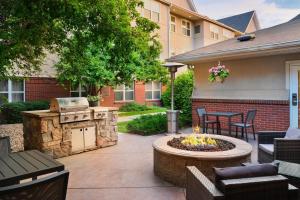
(222,145)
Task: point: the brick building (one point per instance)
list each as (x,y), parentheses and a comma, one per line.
(182,29)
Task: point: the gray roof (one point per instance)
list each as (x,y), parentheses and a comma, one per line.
(239,22)
(296,18)
(280,39)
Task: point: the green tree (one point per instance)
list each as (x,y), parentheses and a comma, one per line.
(99,42)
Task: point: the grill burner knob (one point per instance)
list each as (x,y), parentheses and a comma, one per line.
(66,118)
(84,116)
(75,117)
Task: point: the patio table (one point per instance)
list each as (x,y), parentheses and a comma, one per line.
(229,115)
(27,164)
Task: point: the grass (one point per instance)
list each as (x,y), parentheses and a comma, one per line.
(122,127)
(154,109)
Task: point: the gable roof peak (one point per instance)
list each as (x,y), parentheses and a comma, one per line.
(239,21)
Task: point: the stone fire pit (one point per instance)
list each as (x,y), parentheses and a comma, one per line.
(170,163)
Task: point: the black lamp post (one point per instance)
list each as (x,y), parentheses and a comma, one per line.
(172,114)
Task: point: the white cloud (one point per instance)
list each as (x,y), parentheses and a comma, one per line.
(269,14)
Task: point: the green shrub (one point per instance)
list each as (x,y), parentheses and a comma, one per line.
(11,112)
(129,107)
(148,124)
(183,89)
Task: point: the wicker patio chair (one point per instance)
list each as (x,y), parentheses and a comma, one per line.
(276,187)
(249,123)
(273,146)
(5,148)
(204,121)
(48,188)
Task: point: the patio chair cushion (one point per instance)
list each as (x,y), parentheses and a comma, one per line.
(268,148)
(249,171)
(292,133)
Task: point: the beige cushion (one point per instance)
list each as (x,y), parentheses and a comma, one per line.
(269,148)
(292,133)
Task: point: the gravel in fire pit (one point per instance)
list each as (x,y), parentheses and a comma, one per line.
(222,145)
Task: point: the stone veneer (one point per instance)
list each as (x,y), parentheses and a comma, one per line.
(170,163)
(43,131)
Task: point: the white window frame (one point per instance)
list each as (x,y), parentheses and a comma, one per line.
(185,28)
(79,90)
(153,90)
(10,92)
(124,90)
(153,7)
(214,32)
(173,24)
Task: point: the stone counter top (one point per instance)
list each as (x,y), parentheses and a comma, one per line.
(47,113)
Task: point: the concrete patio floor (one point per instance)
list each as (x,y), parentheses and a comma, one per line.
(124,171)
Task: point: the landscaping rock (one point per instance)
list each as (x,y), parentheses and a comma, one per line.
(15,132)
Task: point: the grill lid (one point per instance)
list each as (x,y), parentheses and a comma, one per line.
(69,104)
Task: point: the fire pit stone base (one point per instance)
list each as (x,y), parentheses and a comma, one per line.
(170,163)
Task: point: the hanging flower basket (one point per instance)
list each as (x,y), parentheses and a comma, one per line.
(218,74)
(219,79)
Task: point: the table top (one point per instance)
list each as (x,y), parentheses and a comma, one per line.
(289,169)
(224,114)
(26,164)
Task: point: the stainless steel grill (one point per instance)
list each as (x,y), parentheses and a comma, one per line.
(71,109)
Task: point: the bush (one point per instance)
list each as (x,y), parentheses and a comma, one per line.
(129,107)
(148,124)
(11,112)
(183,89)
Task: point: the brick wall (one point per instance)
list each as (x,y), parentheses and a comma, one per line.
(271,115)
(43,89)
(108,96)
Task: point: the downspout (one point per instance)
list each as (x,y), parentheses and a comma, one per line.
(169,32)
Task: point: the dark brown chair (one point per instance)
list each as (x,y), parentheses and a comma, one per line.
(249,123)
(5,148)
(204,121)
(199,187)
(53,187)
(273,145)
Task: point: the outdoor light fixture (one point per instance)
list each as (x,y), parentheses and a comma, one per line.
(172,114)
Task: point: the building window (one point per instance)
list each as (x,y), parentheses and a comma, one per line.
(227,34)
(173,24)
(12,91)
(153,90)
(78,91)
(214,31)
(186,28)
(197,29)
(124,93)
(151,10)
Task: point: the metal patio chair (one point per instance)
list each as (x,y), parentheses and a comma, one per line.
(204,121)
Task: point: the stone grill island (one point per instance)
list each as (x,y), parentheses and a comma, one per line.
(170,163)
(66,132)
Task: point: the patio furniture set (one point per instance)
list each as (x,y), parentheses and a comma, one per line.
(205,119)
(278,179)
(19,166)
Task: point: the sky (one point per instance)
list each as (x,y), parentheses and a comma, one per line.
(269,12)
